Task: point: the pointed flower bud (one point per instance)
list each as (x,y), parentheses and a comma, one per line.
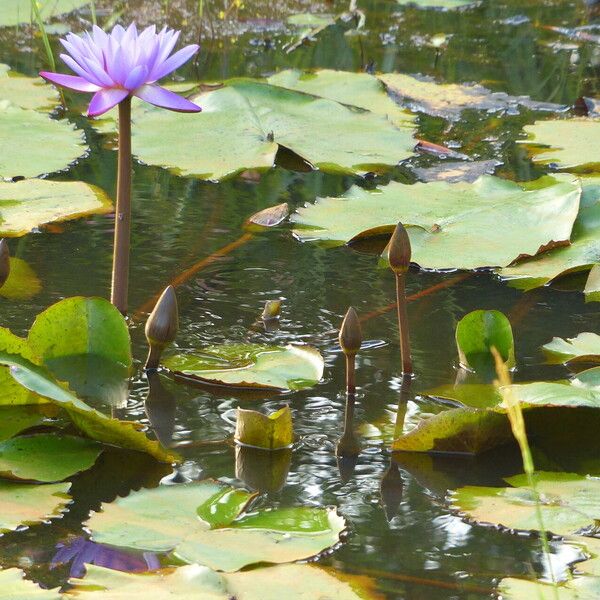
(4,262)
(350,333)
(162,326)
(399,250)
(272,310)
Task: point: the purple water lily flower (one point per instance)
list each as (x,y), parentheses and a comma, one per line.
(121,64)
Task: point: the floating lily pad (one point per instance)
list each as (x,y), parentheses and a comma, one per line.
(196,581)
(271,432)
(11,392)
(462,225)
(85,342)
(310,20)
(578,588)
(445,4)
(14,586)
(14,12)
(453,172)
(26,504)
(252,366)
(244,123)
(568,143)
(473,395)
(592,286)
(22,282)
(26,92)
(28,204)
(46,457)
(94,424)
(585,348)
(360,90)
(166,519)
(581,254)
(49,145)
(448,100)
(568,503)
(14,419)
(480,331)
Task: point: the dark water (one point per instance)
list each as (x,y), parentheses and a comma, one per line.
(424,551)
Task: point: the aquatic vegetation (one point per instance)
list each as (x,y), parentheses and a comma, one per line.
(350,339)
(161,326)
(583,349)
(270,432)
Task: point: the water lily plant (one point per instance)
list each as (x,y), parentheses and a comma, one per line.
(115,67)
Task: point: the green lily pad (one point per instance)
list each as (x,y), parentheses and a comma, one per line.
(310,20)
(26,92)
(28,204)
(192,582)
(14,586)
(14,419)
(589,379)
(22,282)
(271,432)
(592,286)
(49,145)
(473,395)
(11,392)
(461,225)
(568,503)
(26,504)
(359,90)
(448,100)
(567,143)
(85,342)
(15,12)
(585,348)
(166,519)
(46,457)
(445,4)
(94,424)
(252,366)
(244,123)
(578,588)
(480,331)
(581,254)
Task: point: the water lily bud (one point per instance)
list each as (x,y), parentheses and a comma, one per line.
(4,262)
(162,326)
(350,333)
(399,250)
(272,310)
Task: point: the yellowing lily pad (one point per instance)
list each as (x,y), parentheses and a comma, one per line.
(183,519)
(585,348)
(271,432)
(28,204)
(26,92)
(14,12)
(14,586)
(46,457)
(360,90)
(11,392)
(461,225)
(245,122)
(22,282)
(568,503)
(14,419)
(252,366)
(194,582)
(26,504)
(568,143)
(49,145)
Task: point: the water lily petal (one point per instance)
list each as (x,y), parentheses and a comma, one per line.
(158,96)
(174,62)
(105,99)
(72,82)
(81,71)
(136,77)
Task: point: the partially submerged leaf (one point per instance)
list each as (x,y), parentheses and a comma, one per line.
(270,432)
(568,503)
(473,395)
(245,122)
(22,282)
(585,348)
(26,504)
(269,217)
(14,12)
(271,536)
(85,342)
(480,331)
(453,172)
(196,581)
(448,100)
(26,92)
(46,457)
(28,204)
(462,225)
(14,586)
(49,145)
(252,366)
(567,143)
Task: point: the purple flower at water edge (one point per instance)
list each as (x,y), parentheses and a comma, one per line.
(121,64)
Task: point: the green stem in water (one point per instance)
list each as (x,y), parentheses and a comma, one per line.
(403,325)
(120,273)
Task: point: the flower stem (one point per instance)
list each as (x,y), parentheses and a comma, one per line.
(120,273)
(350,374)
(403,325)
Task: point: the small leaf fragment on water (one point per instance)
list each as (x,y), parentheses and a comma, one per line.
(270,432)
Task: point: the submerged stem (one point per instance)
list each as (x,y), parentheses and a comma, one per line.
(403,325)
(120,273)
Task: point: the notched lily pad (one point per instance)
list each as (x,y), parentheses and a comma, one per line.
(29,204)
(252,366)
(14,585)
(165,519)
